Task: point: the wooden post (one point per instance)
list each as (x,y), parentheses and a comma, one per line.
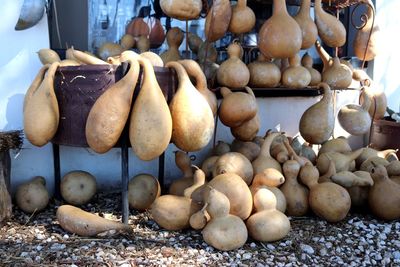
(5,198)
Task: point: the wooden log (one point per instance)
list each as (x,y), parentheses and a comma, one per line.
(5,198)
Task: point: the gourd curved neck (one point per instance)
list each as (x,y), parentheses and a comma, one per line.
(326,58)
(180,72)
(367,102)
(317,5)
(327,92)
(267,144)
(280,7)
(225,91)
(148,71)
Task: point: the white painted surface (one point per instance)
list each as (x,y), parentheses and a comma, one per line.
(20,64)
(386,65)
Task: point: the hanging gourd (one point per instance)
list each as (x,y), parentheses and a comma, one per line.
(150,127)
(217,20)
(330,29)
(243,18)
(181,9)
(157,33)
(296,76)
(174,40)
(280,36)
(233,72)
(355,119)
(317,122)
(308,28)
(365,42)
(192,118)
(337,75)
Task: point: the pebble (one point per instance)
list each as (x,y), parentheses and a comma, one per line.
(40,236)
(328,245)
(307,249)
(253,245)
(396,255)
(323,252)
(271,247)
(247,256)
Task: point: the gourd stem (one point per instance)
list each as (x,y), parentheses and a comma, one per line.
(180,72)
(241,4)
(305,8)
(148,70)
(280,7)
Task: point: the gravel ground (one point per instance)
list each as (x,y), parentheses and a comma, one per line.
(38,240)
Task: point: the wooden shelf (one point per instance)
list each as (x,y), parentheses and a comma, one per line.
(336,4)
(285,92)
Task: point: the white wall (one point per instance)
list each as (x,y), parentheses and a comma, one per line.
(386,65)
(20,64)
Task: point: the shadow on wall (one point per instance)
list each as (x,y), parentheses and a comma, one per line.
(14,114)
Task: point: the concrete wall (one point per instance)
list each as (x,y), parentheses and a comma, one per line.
(19,66)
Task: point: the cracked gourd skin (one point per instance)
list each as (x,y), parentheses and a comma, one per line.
(233,73)
(192,118)
(330,29)
(41,113)
(308,28)
(287,35)
(150,127)
(217,20)
(110,112)
(317,122)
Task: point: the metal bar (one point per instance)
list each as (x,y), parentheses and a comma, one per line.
(161,167)
(57,171)
(125,179)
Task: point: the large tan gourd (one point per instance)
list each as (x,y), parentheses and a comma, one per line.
(393,168)
(80,222)
(199,179)
(280,36)
(150,126)
(78,187)
(267,224)
(243,18)
(41,113)
(247,130)
(384,195)
(278,150)
(194,42)
(308,28)
(295,193)
(32,196)
(155,60)
(194,70)
(208,166)
(263,73)
(109,49)
(355,119)
(224,231)
(237,191)
(349,179)
(217,20)
(143,189)
(234,162)
(181,9)
(330,29)
(327,200)
(233,72)
(174,40)
(337,75)
(296,76)
(237,107)
(342,161)
(178,186)
(307,62)
(108,115)
(192,118)
(317,122)
(370,153)
(340,144)
(365,42)
(264,160)
(173,212)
